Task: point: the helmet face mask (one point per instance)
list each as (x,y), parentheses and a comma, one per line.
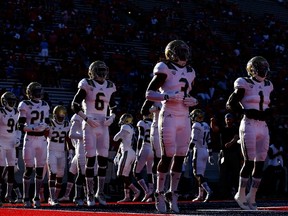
(9,100)
(98,70)
(34,91)
(197,115)
(59,114)
(258,67)
(126,118)
(176,51)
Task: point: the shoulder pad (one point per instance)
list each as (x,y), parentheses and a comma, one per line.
(90,82)
(2,110)
(267,83)
(27,102)
(110,84)
(44,103)
(189,69)
(53,123)
(249,80)
(66,123)
(170,65)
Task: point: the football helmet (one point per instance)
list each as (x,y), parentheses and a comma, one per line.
(9,100)
(197,115)
(177,50)
(34,91)
(59,113)
(126,118)
(98,70)
(258,67)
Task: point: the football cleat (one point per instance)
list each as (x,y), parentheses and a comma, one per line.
(160,203)
(242,202)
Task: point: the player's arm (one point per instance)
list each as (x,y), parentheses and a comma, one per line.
(112,108)
(145,109)
(233,103)
(77,101)
(152,92)
(141,133)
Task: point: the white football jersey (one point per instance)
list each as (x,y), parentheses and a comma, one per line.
(178,79)
(146,125)
(126,134)
(34,112)
(97,96)
(200,135)
(257,94)
(8,122)
(57,136)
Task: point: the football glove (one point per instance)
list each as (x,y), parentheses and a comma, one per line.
(70,156)
(211,160)
(173,96)
(93,123)
(109,120)
(190,101)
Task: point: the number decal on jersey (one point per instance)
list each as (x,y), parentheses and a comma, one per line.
(99,103)
(11,124)
(261,100)
(185,87)
(37,116)
(57,137)
(147,136)
(206,136)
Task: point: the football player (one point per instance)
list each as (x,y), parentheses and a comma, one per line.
(34,121)
(200,145)
(127,157)
(10,140)
(154,108)
(77,166)
(57,145)
(144,156)
(96,93)
(172,84)
(251,97)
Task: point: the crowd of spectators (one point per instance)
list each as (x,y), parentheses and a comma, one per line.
(48,40)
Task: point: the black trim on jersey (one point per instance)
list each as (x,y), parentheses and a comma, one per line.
(90,82)
(249,80)
(30,103)
(267,83)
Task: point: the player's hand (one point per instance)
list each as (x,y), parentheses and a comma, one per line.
(211,160)
(189,155)
(93,123)
(16,166)
(174,96)
(41,127)
(70,156)
(117,159)
(109,120)
(17,143)
(190,101)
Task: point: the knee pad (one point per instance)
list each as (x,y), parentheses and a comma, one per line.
(90,167)
(28,172)
(177,164)
(52,177)
(155,164)
(164,164)
(258,170)
(102,165)
(10,174)
(39,172)
(138,176)
(247,169)
(80,179)
(70,177)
